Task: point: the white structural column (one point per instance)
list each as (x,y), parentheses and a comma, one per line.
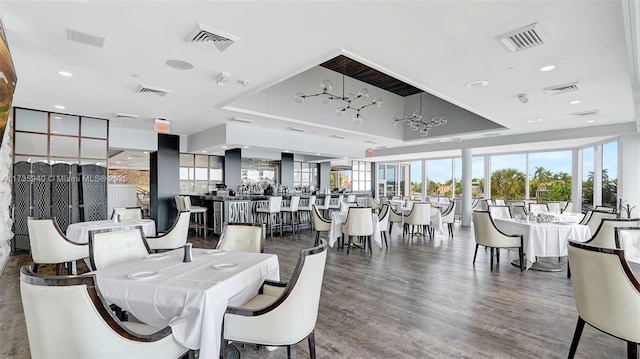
(629,172)
(576,179)
(597,176)
(466,187)
(487,177)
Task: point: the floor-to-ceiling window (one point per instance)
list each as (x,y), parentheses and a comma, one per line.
(415,175)
(457,176)
(439,177)
(587,176)
(477,176)
(610,174)
(550,176)
(508,176)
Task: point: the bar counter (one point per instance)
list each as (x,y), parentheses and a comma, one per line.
(242,208)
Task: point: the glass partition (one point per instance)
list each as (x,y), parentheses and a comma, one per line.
(508,178)
(415,175)
(477,176)
(550,176)
(439,175)
(610,174)
(588,159)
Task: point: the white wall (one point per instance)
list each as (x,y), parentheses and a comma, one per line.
(629,172)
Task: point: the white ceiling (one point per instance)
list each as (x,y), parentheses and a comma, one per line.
(436,46)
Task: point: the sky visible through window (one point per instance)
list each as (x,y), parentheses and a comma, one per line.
(560,161)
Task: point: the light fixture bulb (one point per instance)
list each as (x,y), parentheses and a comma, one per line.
(299,97)
(326,85)
(407,121)
(424,132)
(357,119)
(415,114)
(394,121)
(351,96)
(363,93)
(326,100)
(378,101)
(340,111)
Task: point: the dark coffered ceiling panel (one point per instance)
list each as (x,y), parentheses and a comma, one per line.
(364,73)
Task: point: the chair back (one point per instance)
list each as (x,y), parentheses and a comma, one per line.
(458,208)
(294,203)
(275,203)
(486,203)
(90,328)
(126,213)
(351,198)
(568,207)
(394,215)
(605,209)
(628,239)
(319,223)
(475,203)
(586,217)
(521,210)
(180,203)
(538,208)
(295,312)
(596,218)
(396,198)
(500,212)
(448,215)
(108,247)
(420,214)
(186,200)
(604,236)
(499,202)
(243,237)
(49,245)
(371,202)
(605,291)
(312,201)
(554,207)
(359,222)
(175,237)
(327,201)
(383,217)
(512,203)
(487,234)
(344,206)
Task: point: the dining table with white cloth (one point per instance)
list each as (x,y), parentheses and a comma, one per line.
(543,239)
(565,217)
(436,218)
(338,219)
(190,297)
(79,232)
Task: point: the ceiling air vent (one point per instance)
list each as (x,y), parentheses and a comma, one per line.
(242,120)
(86,39)
(554,90)
(126,115)
(153,90)
(209,38)
(296,129)
(523,38)
(586,113)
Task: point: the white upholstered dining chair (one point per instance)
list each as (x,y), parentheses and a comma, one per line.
(109,247)
(50,246)
(127,213)
(359,223)
(66,317)
(282,314)
(606,293)
(538,207)
(243,237)
(320,223)
(448,216)
(487,234)
(383,219)
(500,211)
(628,239)
(420,216)
(175,237)
(596,218)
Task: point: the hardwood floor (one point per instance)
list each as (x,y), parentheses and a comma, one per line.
(419,298)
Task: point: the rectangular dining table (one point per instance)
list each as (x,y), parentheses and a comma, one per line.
(79,232)
(189,297)
(543,239)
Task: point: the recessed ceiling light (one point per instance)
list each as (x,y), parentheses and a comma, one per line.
(128,158)
(146,152)
(65,73)
(510,68)
(477,83)
(345,157)
(245,146)
(117,161)
(203,151)
(59,107)
(286,150)
(591,121)
(179,65)
(223,146)
(54,131)
(575,102)
(547,68)
(57,118)
(317,154)
(535,120)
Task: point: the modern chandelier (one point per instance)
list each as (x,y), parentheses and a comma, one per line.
(349,98)
(418,123)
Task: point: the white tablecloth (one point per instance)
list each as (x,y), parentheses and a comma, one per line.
(544,239)
(190,297)
(397,203)
(338,218)
(436,217)
(565,217)
(79,232)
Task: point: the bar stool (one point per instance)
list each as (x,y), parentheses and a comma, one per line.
(292,209)
(199,215)
(275,203)
(308,208)
(325,207)
(335,207)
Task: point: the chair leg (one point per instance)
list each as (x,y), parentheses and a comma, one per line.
(576,338)
(390,228)
(632,350)
(36,266)
(475,253)
(291,351)
(224,349)
(491,265)
(69,268)
(370,246)
(349,244)
(59,268)
(497,255)
(312,345)
(568,269)
(521,256)
(385,239)
(315,243)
